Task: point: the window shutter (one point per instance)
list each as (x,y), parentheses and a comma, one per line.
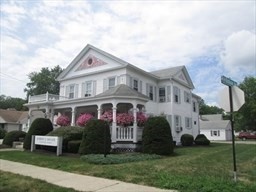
(62,89)
(147,89)
(67,91)
(131,81)
(168,94)
(76,91)
(118,80)
(140,87)
(105,85)
(83,90)
(94,88)
(179,95)
(155,94)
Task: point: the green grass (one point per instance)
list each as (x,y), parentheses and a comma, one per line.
(199,169)
(10,182)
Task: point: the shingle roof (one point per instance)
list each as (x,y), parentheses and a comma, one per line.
(11,116)
(122,90)
(169,72)
(222,124)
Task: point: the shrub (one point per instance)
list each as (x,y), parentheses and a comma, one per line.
(13,136)
(84,119)
(63,120)
(141,119)
(73,146)
(201,139)
(187,140)
(157,137)
(40,126)
(2,133)
(96,138)
(68,134)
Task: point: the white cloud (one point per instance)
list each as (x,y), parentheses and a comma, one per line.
(240,52)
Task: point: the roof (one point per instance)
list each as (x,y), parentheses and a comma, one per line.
(221,124)
(213,117)
(11,116)
(169,72)
(122,90)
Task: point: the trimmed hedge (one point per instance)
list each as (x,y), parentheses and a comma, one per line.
(73,146)
(187,140)
(40,126)
(157,137)
(96,138)
(68,133)
(201,139)
(2,133)
(13,136)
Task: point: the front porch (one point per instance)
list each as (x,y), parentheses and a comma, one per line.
(120,99)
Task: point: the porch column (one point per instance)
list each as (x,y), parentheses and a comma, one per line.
(135,124)
(99,111)
(73,116)
(113,135)
(47,113)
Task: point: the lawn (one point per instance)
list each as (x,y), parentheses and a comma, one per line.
(190,169)
(17,183)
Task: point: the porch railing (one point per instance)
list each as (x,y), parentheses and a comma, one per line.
(45,97)
(124,133)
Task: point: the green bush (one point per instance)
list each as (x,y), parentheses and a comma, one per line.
(40,126)
(201,139)
(187,140)
(13,136)
(73,146)
(2,133)
(157,137)
(96,138)
(68,134)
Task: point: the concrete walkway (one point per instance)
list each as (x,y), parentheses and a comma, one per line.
(75,181)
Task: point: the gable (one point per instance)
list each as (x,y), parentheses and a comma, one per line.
(183,77)
(91,60)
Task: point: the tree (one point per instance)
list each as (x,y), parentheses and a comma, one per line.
(245,118)
(44,81)
(207,110)
(11,102)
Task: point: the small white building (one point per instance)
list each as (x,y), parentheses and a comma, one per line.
(96,81)
(215,128)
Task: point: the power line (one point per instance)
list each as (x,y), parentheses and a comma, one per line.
(11,77)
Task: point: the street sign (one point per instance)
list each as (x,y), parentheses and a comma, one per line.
(237,98)
(227,81)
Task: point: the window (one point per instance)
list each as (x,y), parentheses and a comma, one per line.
(176,92)
(135,84)
(188,123)
(194,122)
(187,97)
(194,106)
(215,133)
(151,92)
(177,122)
(88,89)
(71,91)
(111,82)
(162,94)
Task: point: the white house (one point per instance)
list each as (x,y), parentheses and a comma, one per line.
(96,81)
(215,128)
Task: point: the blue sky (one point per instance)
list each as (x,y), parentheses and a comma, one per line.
(211,38)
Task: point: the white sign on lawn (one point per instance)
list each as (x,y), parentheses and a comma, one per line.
(46,140)
(237,97)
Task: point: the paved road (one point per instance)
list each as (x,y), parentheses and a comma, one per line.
(252,142)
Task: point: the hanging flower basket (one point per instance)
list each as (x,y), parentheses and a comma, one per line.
(107,116)
(141,119)
(83,119)
(124,119)
(63,120)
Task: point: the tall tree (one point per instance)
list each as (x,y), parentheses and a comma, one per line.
(245,118)
(44,81)
(208,110)
(10,102)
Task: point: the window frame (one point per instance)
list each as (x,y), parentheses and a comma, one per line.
(162,98)
(71,94)
(113,80)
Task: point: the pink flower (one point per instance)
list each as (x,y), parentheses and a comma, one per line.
(124,119)
(107,116)
(63,120)
(141,119)
(83,119)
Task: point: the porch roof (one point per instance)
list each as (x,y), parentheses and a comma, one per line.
(122,90)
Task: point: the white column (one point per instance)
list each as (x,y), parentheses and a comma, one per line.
(135,124)
(113,136)
(73,116)
(47,112)
(99,111)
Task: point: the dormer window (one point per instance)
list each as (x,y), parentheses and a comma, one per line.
(135,84)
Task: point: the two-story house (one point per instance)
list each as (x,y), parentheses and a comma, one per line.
(96,81)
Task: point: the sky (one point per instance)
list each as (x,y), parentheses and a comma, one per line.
(211,38)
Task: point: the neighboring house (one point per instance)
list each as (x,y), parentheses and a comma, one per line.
(96,81)
(215,128)
(12,120)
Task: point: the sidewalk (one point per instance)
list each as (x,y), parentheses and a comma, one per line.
(75,181)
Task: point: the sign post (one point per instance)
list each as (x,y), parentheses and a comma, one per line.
(230,83)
